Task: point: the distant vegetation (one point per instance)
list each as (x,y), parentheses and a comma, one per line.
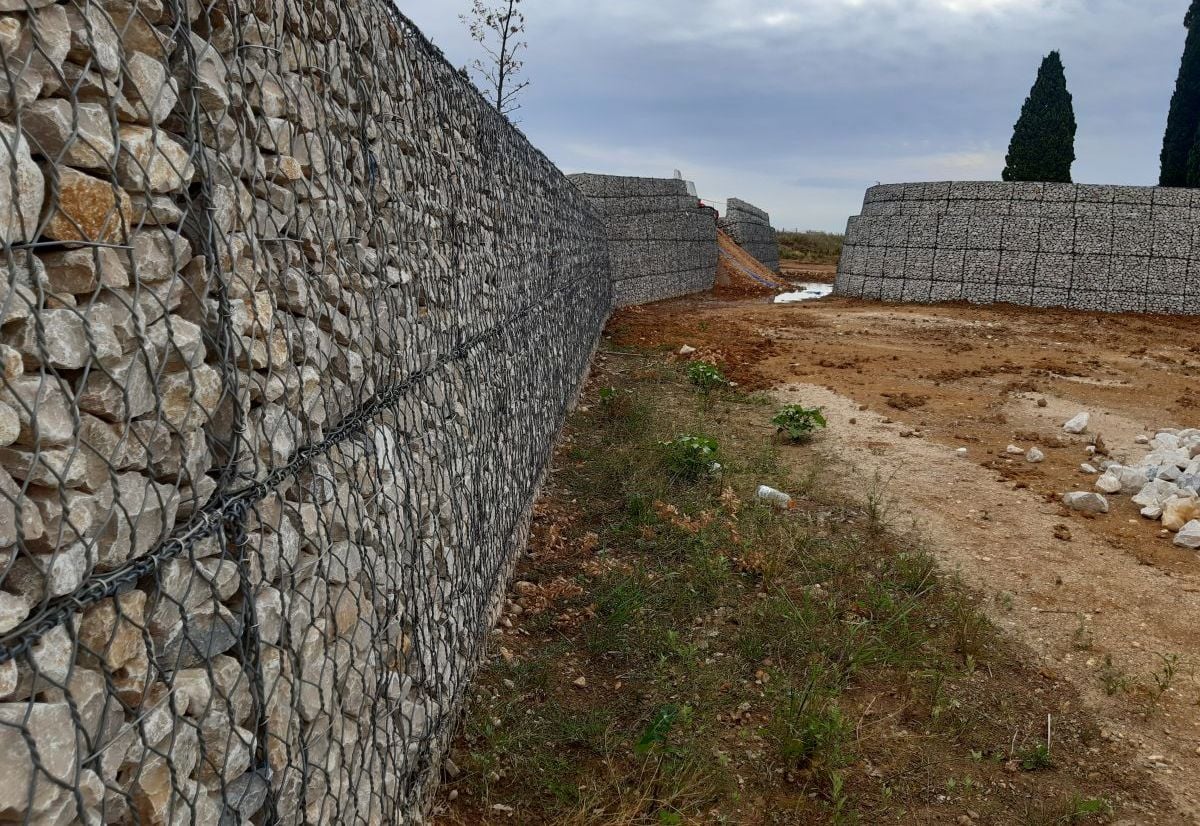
(810,247)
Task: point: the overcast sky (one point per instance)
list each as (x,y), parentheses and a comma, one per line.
(799,105)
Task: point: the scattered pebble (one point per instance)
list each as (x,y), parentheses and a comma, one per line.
(1086,468)
(962,451)
(1034,456)
(580,683)
(1014,450)
(686,350)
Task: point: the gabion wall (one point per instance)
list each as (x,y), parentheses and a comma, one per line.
(291,320)
(751,228)
(1112,248)
(662,243)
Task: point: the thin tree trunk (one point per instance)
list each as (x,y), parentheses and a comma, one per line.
(503,69)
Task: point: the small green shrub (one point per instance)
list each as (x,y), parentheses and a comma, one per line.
(690,457)
(705,376)
(799,422)
(1036,758)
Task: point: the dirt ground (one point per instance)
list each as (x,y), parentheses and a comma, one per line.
(796,271)
(1108,603)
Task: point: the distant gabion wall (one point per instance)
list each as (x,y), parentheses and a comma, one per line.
(291,319)
(662,243)
(751,228)
(1113,248)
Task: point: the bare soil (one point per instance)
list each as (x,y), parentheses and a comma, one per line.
(1107,603)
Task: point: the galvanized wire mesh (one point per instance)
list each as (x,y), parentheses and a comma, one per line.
(291,318)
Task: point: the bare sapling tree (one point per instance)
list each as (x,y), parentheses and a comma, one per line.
(500,31)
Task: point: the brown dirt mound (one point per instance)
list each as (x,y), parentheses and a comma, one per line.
(740,273)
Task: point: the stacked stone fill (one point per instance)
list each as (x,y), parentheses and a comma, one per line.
(1110,248)
(751,228)
(291,320)
(662,243)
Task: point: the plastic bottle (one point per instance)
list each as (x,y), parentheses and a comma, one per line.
(776,497)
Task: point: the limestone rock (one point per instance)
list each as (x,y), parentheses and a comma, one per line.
(64,339)
(10,425)
(201,635)
(1179,510)
(95,41)
(151,162)
(189,399)
(43,405)
(155,210)
(13,611)
(77,134)
(84,270)
(208,76)
(112,630)
(1035,456)
(23,204)
(1086,501)
(1078,423)
(149,89)
(26,784)
(121,391)
(1189,535)
(19,518)
(138,513)
(86,208)
(158,255)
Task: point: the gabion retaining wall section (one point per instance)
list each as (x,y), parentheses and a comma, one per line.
(1113,248)
(662,244)
(290,321)
(751,228)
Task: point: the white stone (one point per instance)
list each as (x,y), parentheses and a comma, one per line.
(151,162)
(1189,535)
(10,425)
(1078,424)
(22,205)
(1034,456)
(1152,512)
(1013,450)
(1108,483)
(77,134)
(1086,501)
(51,730)
(1155,492)
(13,611)
(149,89)
(1086,468)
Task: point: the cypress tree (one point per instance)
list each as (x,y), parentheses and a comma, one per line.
(1184,116)
(1043,143)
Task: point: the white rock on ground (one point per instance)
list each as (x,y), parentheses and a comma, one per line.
(1013,450)
(1086,501)
(1078,424)
(1034,456)
(1189,535)
(1164,483)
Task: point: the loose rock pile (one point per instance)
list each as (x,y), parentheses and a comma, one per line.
(290,321)
(1165,483)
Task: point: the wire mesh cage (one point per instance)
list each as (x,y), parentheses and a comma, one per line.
(290,320)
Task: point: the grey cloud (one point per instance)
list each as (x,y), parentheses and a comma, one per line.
(800,104)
